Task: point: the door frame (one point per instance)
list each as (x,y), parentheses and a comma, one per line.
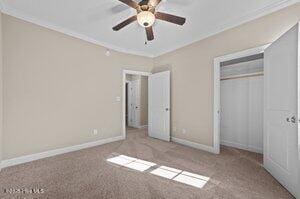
(126,104)
(217,88)
(135,124)
(128,72)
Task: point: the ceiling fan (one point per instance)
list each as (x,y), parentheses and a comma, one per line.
(146,16)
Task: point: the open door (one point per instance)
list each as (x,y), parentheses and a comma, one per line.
(134,103)
(159,105)
(281,110)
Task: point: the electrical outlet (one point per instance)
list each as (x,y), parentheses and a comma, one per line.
(95,131)
(174,129)
(183,131)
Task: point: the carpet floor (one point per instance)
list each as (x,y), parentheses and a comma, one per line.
(141,167)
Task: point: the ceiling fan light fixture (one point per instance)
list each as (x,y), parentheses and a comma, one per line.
(147,15)
(146,18)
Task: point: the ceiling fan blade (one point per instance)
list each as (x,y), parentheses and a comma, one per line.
(125,23)
(130,3)
(154,3)
(149,32)
(170,18)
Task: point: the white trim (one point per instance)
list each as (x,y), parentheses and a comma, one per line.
(135,72)
(230,77)
(128,72)
(50,153)
(216,109)
(134,126)
(20,15)
(298,85)
(210,31)
(243,147)
(202,147)
(143,127)
(298,114)
(273,7)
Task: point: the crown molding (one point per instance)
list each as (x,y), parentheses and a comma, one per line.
(210,32)
(273,7)
(20,15)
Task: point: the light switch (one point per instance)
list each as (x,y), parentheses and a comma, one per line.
(118,99)
(95,131)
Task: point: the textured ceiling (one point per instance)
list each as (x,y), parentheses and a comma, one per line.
(93,20)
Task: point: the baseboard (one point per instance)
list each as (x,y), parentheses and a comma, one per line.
(243,147)
(132,126)
(50,153)
(143,127)
(194,145)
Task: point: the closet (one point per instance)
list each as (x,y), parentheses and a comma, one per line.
(242,84)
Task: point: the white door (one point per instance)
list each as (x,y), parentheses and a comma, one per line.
(134,104)
(159,105)
(281,114)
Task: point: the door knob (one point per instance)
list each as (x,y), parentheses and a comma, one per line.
(293,119)
(167,109)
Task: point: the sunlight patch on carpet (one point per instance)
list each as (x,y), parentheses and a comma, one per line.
(188,178)
(132,163)
(166,172)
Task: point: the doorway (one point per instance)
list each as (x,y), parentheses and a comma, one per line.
(230,75)
(136,101)
(281,107)
(146,103)
(131,100)
(241,103)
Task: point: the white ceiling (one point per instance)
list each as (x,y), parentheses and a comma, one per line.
(93,20)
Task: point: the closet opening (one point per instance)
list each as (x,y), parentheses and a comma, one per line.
(239,100)
(241,103)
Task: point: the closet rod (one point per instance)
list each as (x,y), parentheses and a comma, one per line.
(243,76)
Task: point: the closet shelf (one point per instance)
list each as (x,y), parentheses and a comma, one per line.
(243,76)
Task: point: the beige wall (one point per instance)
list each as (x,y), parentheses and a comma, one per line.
(57,89)
(192,71)
(1,96)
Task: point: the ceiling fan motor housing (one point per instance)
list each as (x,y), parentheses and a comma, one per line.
(146,16)
(143,2)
